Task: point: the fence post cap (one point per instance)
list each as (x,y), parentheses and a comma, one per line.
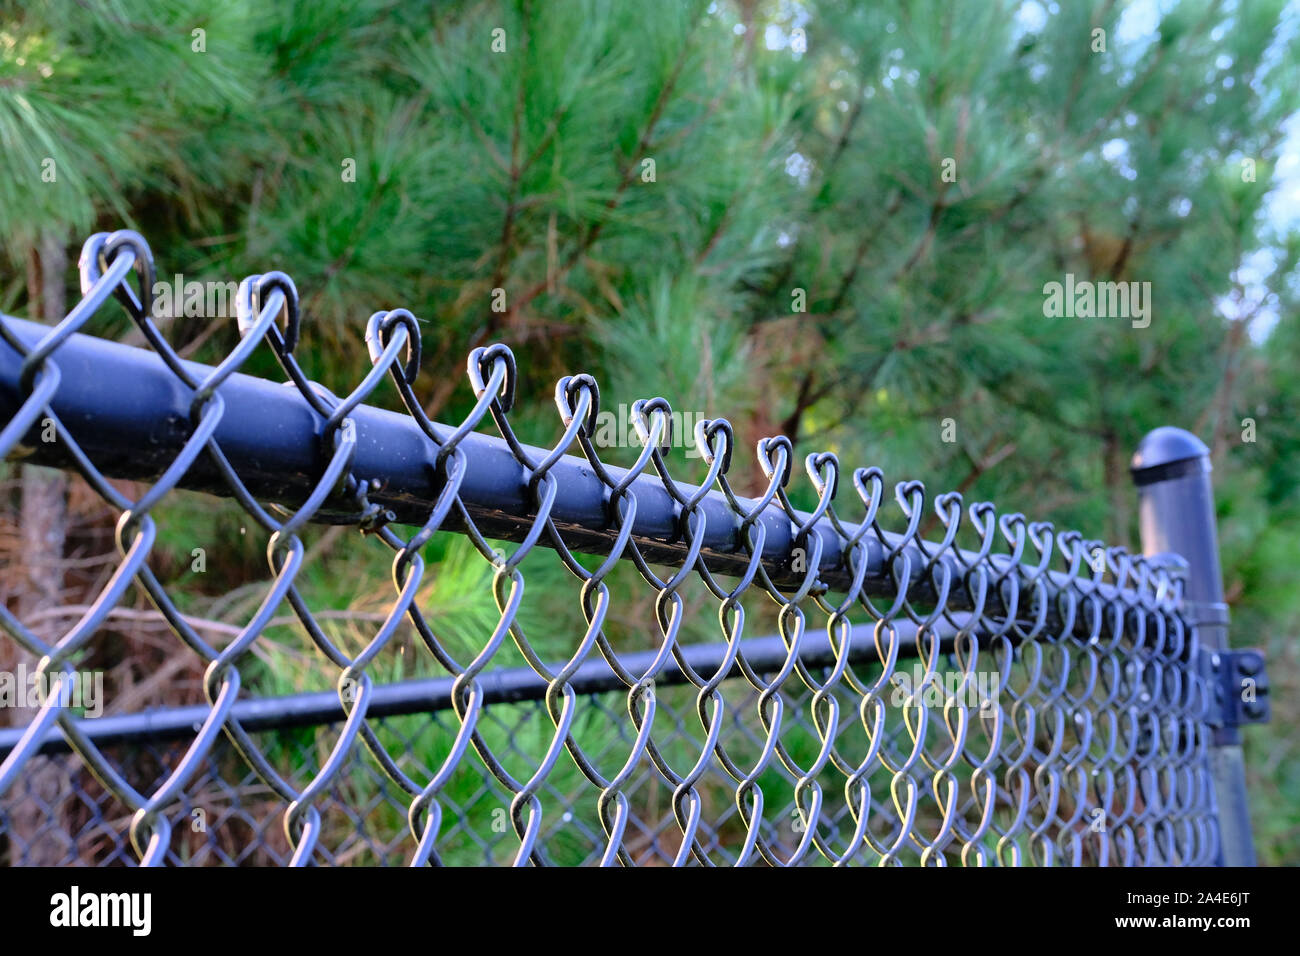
(1166,446)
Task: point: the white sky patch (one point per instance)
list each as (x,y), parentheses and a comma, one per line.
(1253,302)
(1138,23)
(800,167)
(1116,152)
(779,35)
(1031,17)
(1283,203)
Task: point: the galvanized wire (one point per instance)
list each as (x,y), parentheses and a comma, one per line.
(1091,747)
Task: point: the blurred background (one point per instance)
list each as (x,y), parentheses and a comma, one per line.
(831,220)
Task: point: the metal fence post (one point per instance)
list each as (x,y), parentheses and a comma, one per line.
(1171,469)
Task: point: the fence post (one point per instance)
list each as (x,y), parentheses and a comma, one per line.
(1171,469)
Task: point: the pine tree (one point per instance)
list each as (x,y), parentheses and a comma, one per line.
(830,219)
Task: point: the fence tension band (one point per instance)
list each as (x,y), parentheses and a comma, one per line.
(1240,686)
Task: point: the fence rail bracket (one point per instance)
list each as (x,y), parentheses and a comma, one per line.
(1240,685)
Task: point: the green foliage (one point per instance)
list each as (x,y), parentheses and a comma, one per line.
(111,105)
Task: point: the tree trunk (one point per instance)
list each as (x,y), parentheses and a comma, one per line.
(42,533)
(1119,490)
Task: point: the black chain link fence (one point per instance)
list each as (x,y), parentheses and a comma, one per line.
(1007,694)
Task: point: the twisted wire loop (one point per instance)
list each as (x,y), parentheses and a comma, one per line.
(1031,698)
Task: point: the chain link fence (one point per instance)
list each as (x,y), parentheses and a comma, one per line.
(1006,694)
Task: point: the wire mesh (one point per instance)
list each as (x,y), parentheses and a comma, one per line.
(1035,698)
